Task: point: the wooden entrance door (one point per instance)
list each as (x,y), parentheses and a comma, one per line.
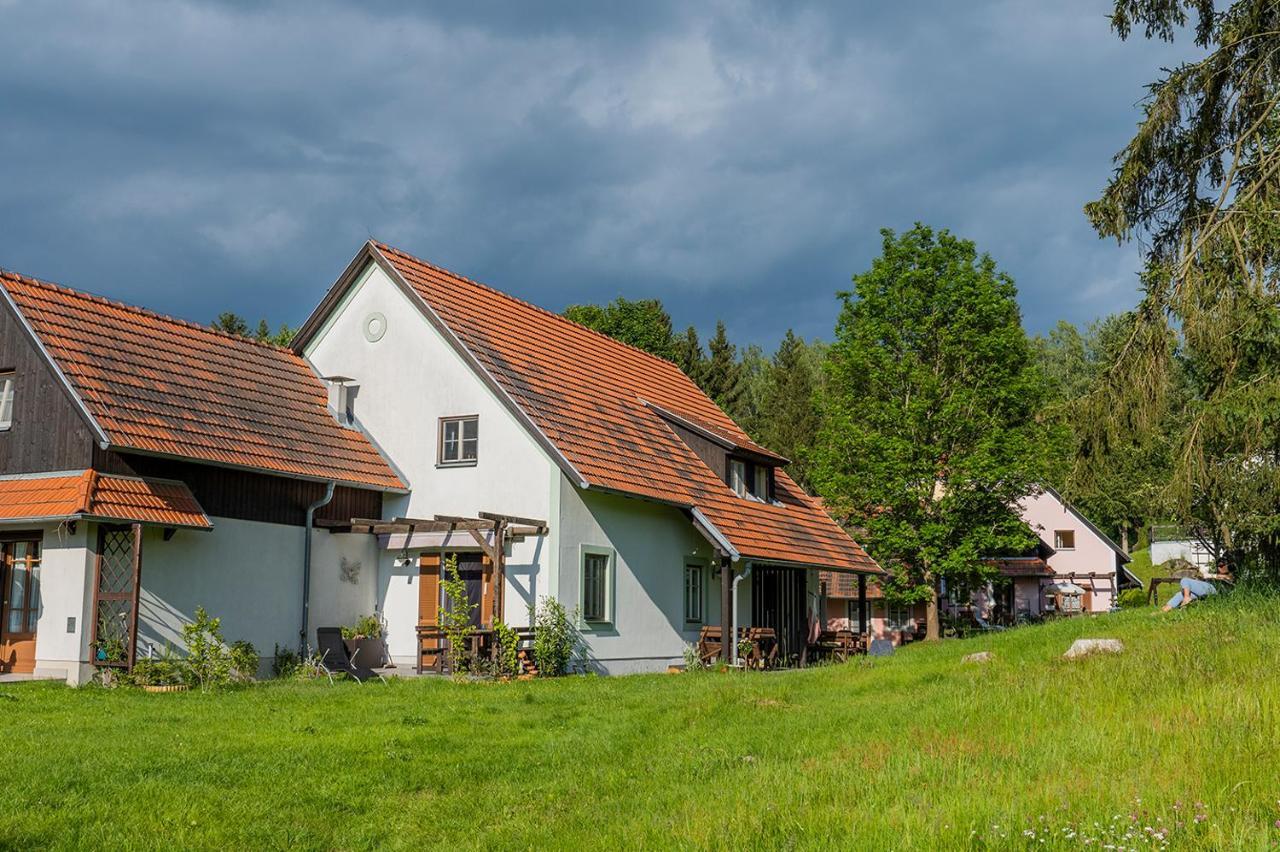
(778,601)
(19,605)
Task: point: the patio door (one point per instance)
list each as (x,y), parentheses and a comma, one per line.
(472,571)
(778,601)
(19,605)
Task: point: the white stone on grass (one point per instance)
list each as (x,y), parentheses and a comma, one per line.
(1085,647)
(980,657)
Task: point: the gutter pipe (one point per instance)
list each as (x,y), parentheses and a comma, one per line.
(306,561)
(733,624)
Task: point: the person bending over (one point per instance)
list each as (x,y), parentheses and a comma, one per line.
(1193,589)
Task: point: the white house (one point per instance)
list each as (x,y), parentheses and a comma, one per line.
(149,466)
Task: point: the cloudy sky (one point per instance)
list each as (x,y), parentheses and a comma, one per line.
(736,160)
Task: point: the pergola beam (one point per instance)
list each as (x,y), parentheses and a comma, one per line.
(513,519)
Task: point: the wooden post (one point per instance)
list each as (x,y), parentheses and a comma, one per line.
(863,626)
(726,609)
(499,569)
(137,593)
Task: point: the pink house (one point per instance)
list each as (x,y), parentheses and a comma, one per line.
(1075,569)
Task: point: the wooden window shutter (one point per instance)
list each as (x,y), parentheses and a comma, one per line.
(429,589)
(486,601)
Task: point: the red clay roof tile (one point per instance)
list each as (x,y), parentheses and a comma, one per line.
(169,387)
(89,494)
(587,393)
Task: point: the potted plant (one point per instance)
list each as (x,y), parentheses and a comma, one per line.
(365,641)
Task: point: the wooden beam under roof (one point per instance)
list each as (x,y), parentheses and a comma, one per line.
(444,524)
(512,519)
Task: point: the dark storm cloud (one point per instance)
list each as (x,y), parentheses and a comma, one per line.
(735,160)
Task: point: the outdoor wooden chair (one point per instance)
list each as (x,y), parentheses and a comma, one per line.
(764,647)
(710,644)
(334,659)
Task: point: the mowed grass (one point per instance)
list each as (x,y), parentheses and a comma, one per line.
(1177,736)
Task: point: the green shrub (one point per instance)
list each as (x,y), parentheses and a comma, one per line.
(286,662)
(506,659)
(244,660)
(165,670)
(556,642)
(1132,599)
(366,627)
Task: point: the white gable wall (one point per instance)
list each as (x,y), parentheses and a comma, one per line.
(409,379)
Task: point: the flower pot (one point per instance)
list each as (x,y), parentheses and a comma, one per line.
(366,651)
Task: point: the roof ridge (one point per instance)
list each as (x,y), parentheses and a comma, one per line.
(137,309)
(528,304)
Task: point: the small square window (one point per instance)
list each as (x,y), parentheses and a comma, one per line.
(1064,540)
(694,577)
(7,383)
(597,580)
(459,440)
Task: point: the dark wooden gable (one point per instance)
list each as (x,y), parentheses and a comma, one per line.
(49,431)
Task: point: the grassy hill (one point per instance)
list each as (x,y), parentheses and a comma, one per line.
(1175,743)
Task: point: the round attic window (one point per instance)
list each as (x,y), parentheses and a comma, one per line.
(375,325)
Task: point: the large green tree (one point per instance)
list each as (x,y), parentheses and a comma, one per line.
(1199,185)
(643,323)
(789,418)
(723,373)
(930,435)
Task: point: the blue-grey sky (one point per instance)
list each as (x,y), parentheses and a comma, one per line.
(736,160)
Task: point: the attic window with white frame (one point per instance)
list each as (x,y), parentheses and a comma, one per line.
(1064,540)
(459,440)
(7,384)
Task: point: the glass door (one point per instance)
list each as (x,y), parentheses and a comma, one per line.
(20,608)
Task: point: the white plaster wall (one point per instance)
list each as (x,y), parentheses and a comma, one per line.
(409,379)
(651,543)
(1192,551)
(249,574)
(66,574)
(1045,514)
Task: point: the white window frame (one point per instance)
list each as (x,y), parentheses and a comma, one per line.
(8,396)
(1057,545)
(609,575)
(696,567)
(762,483)
(906,622)
(738,477)
(458,460)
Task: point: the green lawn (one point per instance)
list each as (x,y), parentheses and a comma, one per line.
(1179,734)
(1141,565)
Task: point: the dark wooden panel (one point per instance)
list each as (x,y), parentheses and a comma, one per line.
(229,493)
(49,432)
(715,456)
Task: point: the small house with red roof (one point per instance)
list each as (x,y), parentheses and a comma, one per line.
(419,420)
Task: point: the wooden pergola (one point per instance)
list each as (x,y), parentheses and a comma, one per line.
(504,528)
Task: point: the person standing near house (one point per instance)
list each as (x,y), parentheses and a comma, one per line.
(1193,589)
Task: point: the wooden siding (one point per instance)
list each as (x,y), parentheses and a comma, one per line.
(49,432)
(247,496)
(712,454)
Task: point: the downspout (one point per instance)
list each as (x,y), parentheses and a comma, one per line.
(306,562)
(733,625)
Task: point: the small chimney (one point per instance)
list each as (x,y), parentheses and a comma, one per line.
(342,398)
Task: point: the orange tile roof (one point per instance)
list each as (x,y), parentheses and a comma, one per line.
(89,494)
(169,387)
(587,393)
